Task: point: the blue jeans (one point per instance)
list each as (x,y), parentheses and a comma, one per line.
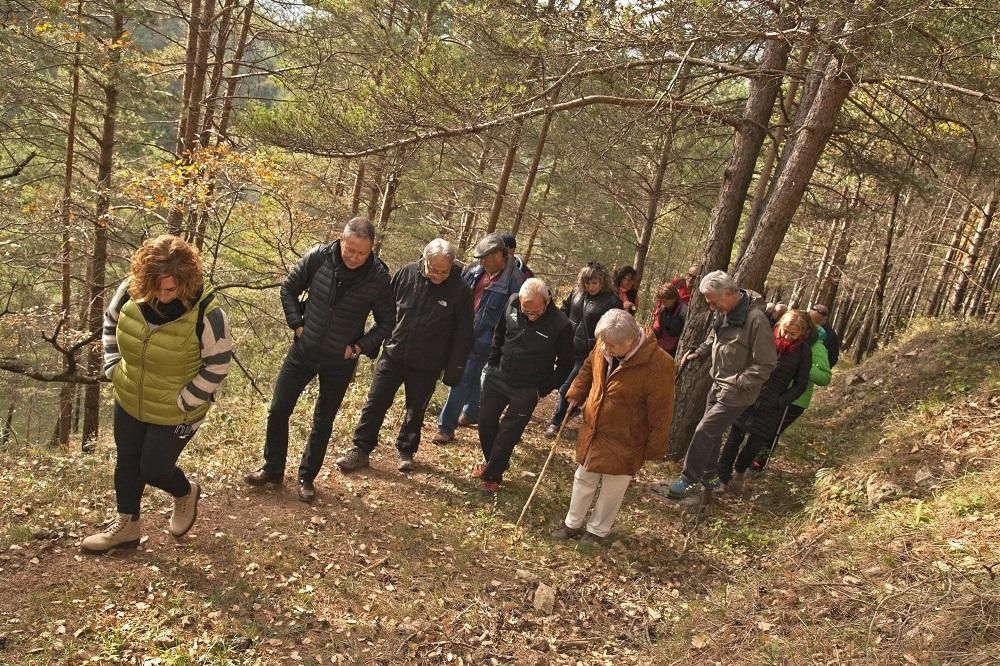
(464,398)
(562,405)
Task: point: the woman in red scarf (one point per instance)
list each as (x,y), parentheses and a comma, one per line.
(793,337)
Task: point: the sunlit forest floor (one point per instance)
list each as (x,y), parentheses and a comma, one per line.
(872,538)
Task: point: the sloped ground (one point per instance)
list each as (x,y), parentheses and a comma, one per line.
(388,569)
(894,558)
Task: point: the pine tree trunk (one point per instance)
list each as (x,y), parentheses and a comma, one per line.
(233,79)
(826,289)
(536,159)
(175,217)
(944,276)
(67,390)
(883,278)
(385,210)
(468,223)
(8,425)
(692,388)
(975,248)
(987,281)
(359,180)
(653,204)
(803,155)
(767,168)
(505,171)
(375,194)
(102,215)
(541,215)
(192,125)
(218,66)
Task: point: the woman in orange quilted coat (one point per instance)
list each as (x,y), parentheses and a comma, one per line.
(626,387)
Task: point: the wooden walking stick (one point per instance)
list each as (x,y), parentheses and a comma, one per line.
(552,452)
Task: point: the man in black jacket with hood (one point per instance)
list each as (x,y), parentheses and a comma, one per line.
(432,339)
(531,356)
(345,282)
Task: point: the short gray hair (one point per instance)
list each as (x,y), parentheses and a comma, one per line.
(617,327)
(718,282)
(439,247)
(534,288)
(360,227)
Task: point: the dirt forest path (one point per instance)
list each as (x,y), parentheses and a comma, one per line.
(870,540)
(382,568)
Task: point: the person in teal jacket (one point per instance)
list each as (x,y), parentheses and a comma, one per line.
(819,375)
(167,348)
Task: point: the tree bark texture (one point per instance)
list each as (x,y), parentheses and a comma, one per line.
(803,153)
(972,254)
(653,204)
(536,159)
(102,219)
(68,390)
(505,171)
(693,386)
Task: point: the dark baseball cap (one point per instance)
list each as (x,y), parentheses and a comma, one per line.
(509,240)
(490,243)
(822,309)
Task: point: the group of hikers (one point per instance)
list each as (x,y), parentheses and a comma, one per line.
(492,333)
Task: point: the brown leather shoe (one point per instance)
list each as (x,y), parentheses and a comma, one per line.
(442,437)
(465,422)
(262,477)
(307,491)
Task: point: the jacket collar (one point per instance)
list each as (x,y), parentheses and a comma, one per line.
(738,315)
(639,354)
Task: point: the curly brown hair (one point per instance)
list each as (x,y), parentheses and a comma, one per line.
(594,270)
(161,257)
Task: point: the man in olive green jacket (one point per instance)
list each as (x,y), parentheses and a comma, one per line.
(741,344)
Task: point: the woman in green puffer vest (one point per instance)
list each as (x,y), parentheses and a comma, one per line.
(167,348)
(819,375)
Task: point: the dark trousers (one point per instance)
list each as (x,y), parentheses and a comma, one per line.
(736,454)
(703,452)
(296,372)
(562,404)
(389,376)
(498,436)
(793,412)
(147,454)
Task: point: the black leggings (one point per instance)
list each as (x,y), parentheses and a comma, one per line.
(147,454)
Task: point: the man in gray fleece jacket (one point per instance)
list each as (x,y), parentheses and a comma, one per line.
(743,355)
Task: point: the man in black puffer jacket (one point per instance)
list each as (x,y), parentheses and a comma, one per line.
(345,282)
(531,356)
(433,335)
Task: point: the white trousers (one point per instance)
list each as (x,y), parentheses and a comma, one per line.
(609,501)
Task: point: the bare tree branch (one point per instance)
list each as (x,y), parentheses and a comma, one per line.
(475,128)
(19,167)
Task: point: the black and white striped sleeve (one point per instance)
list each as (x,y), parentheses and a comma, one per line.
(109,336)
(216,355)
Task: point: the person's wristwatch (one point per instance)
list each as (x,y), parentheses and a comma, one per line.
(355,351)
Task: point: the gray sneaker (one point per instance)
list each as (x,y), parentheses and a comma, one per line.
(406,463)
(354,459)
